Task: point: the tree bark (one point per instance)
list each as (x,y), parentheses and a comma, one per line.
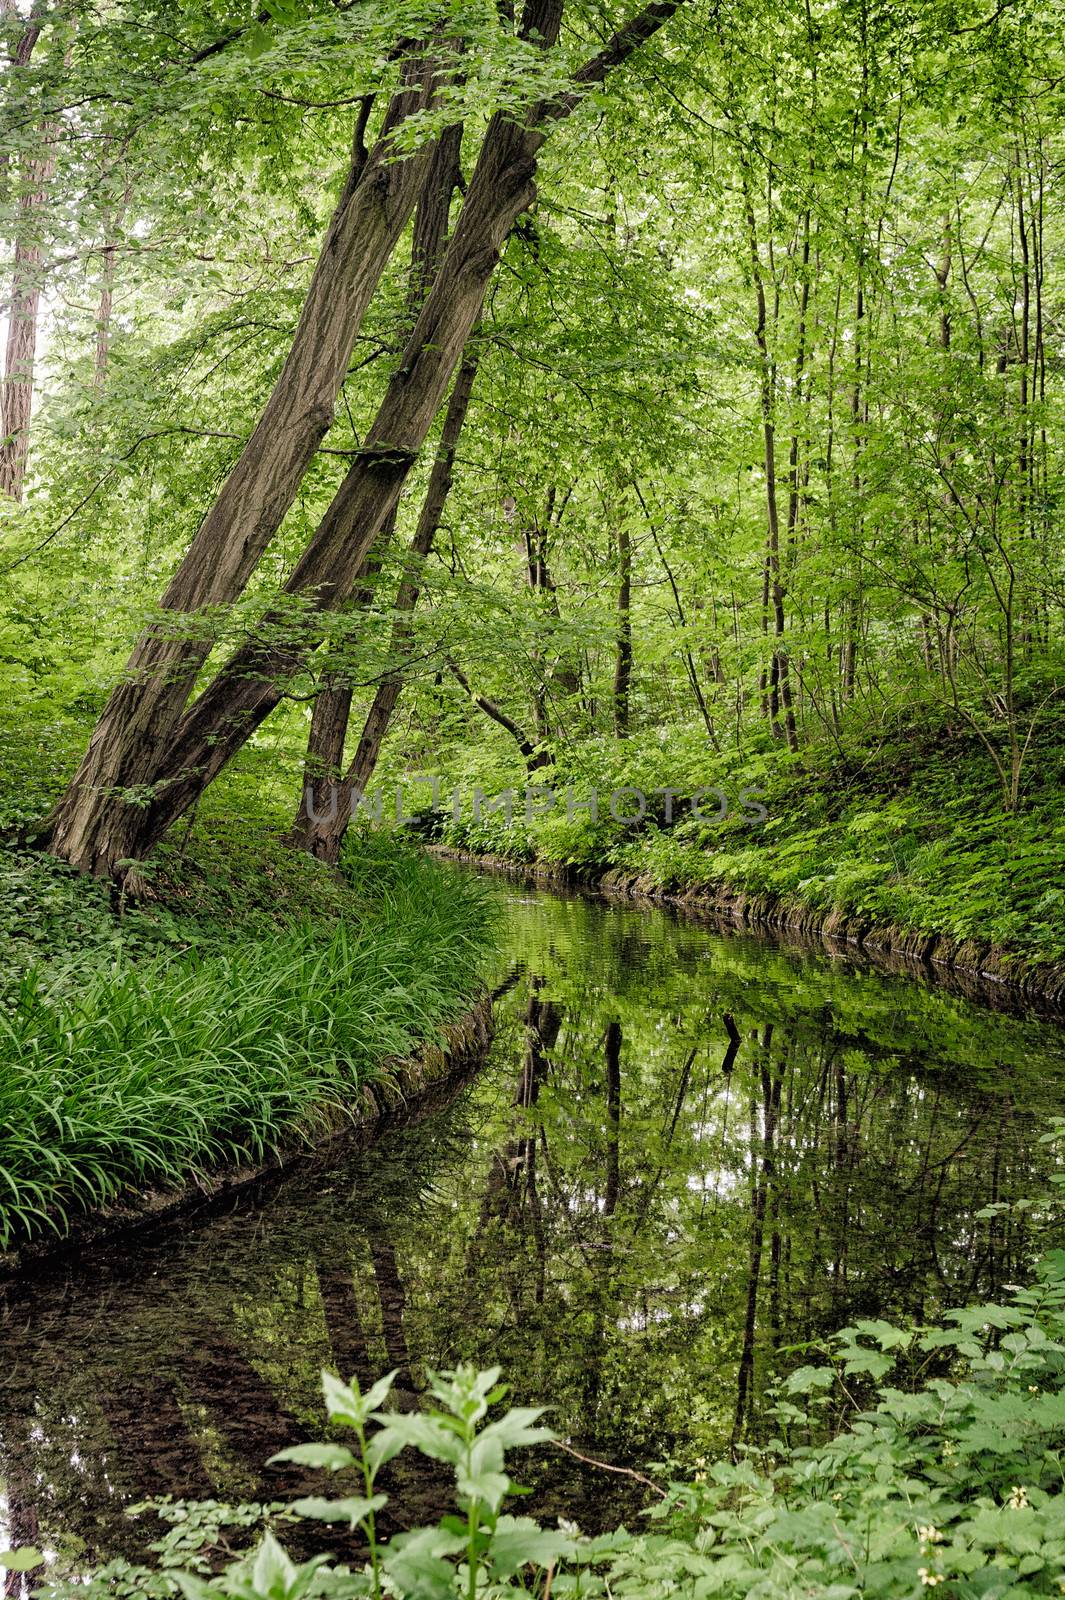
(16,398)
(112,227)
(253,682)
(332,707)
(612,1189)
(322,832)
(779,684)
(623,649)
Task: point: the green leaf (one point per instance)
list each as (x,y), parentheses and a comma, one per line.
(273,1573)
(22,1560)
(258,40)
(489,1486)
(886,1335)
(346,1403)
(194,1588)
(416,1563)
(353,1509)
(429,1435)
(331,1457)
(806,1379)
(516,1428)
(520,1542)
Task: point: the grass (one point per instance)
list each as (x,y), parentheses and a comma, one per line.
(124,1069)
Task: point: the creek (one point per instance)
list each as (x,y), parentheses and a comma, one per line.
(689,1153)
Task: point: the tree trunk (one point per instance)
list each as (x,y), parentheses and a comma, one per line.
(113,220)
(332,707)
(623,654)
(682,620)
(252,683)
(16,398)
(612,1189)
(324,761)
(853,606)
(103,317)
(779,683)
(323,833)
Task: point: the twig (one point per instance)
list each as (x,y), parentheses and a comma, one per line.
(626,1472)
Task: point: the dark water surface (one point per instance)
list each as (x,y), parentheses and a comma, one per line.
(686,1152)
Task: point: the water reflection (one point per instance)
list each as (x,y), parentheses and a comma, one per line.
(687,1154)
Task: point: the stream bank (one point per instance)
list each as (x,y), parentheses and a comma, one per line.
(401,1093)
(258,1007)
(977,969)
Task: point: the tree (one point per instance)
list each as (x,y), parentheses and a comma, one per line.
(147,760)
(32,177)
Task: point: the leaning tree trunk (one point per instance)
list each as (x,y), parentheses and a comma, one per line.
(252,683)
(332,707)
(94,825)
(321,830)
(96,830)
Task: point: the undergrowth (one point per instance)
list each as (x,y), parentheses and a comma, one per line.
(155,1047)
(905,829)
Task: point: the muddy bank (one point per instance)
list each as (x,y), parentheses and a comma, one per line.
(402,1092)
(981,971)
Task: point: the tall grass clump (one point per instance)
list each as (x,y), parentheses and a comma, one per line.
(148,1073)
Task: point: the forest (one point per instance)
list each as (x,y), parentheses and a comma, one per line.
(532,767)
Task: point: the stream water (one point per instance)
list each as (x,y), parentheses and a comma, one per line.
(687,1153)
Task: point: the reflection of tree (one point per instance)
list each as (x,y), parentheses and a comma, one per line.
(141,1418)
(640,1301)
(153,1451)
(511,1191)
(242,1405)
(393,1307)
(763,1179)
(347,1339)
(22,1522)
(173,1387)
(603,1285)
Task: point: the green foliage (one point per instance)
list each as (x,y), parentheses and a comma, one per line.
(24,1559)
(901,227)
(122,1073)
